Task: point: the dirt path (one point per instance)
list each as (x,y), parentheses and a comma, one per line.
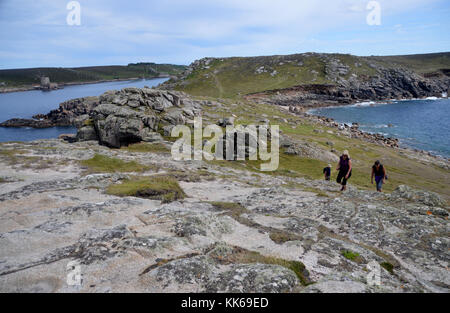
(219,85)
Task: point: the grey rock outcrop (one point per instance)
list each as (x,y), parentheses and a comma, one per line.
(224,122)
(307,150)
(229,236)
(70,113)
(387,83)
(255,278)
(87,133)
(134,115)
(428,198)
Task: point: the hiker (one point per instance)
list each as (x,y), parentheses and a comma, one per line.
(379,172)
(345,170)
(327,172)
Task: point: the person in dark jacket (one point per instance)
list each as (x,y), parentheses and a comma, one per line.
(345,170)
(379,172)
(327,172)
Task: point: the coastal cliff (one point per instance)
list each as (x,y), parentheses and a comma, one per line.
(316,79)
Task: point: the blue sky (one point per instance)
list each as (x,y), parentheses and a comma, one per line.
(35,33)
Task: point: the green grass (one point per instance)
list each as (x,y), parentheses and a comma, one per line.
(388,267)
(88,122)
(317,191)
(9,153)
(421,63)
(162,188)
(147,148)
(290,166)
(191,176)
(352,256)
(17,159)
(281,237)
(243,256)
(234,77)
(235,210)
(104,164)
(400,169)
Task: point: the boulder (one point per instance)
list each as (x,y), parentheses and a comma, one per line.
(168,130)
(224,122)
(160,104)
(428,198)
(68,137)
(150,136)
(81,121)
(86,133)
(174,117)
(307,150)
(132,115)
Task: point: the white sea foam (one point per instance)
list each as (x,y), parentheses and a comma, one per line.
(444,96)
(381,126)
(363,104)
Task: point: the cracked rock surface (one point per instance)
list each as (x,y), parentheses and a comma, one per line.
(52,216)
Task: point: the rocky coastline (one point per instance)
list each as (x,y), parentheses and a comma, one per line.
(77,112)
(69,113)
(353,131)
(62,85)
(136,220)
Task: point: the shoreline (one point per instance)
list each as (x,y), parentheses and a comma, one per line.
(351,129)
(62,85)
(365,103)
(330,122)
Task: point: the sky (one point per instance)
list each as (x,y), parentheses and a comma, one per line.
(36,33)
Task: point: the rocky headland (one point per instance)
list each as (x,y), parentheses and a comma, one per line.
(135,220)
(112,202)
(388,84)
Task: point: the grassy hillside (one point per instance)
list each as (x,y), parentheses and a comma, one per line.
(230,77)
(402,169)
(24,77)
(421,63)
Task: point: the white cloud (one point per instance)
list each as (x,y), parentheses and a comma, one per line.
(182,30)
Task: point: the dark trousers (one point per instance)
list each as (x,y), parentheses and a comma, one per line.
(341,177)
(379,180)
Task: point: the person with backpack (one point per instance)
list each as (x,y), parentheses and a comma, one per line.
(379,172)
(345,170)
(327,172)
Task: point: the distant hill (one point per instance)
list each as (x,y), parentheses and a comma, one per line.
(230,77)
(25,77)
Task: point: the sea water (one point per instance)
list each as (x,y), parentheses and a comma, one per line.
(25,104)
(421,124)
